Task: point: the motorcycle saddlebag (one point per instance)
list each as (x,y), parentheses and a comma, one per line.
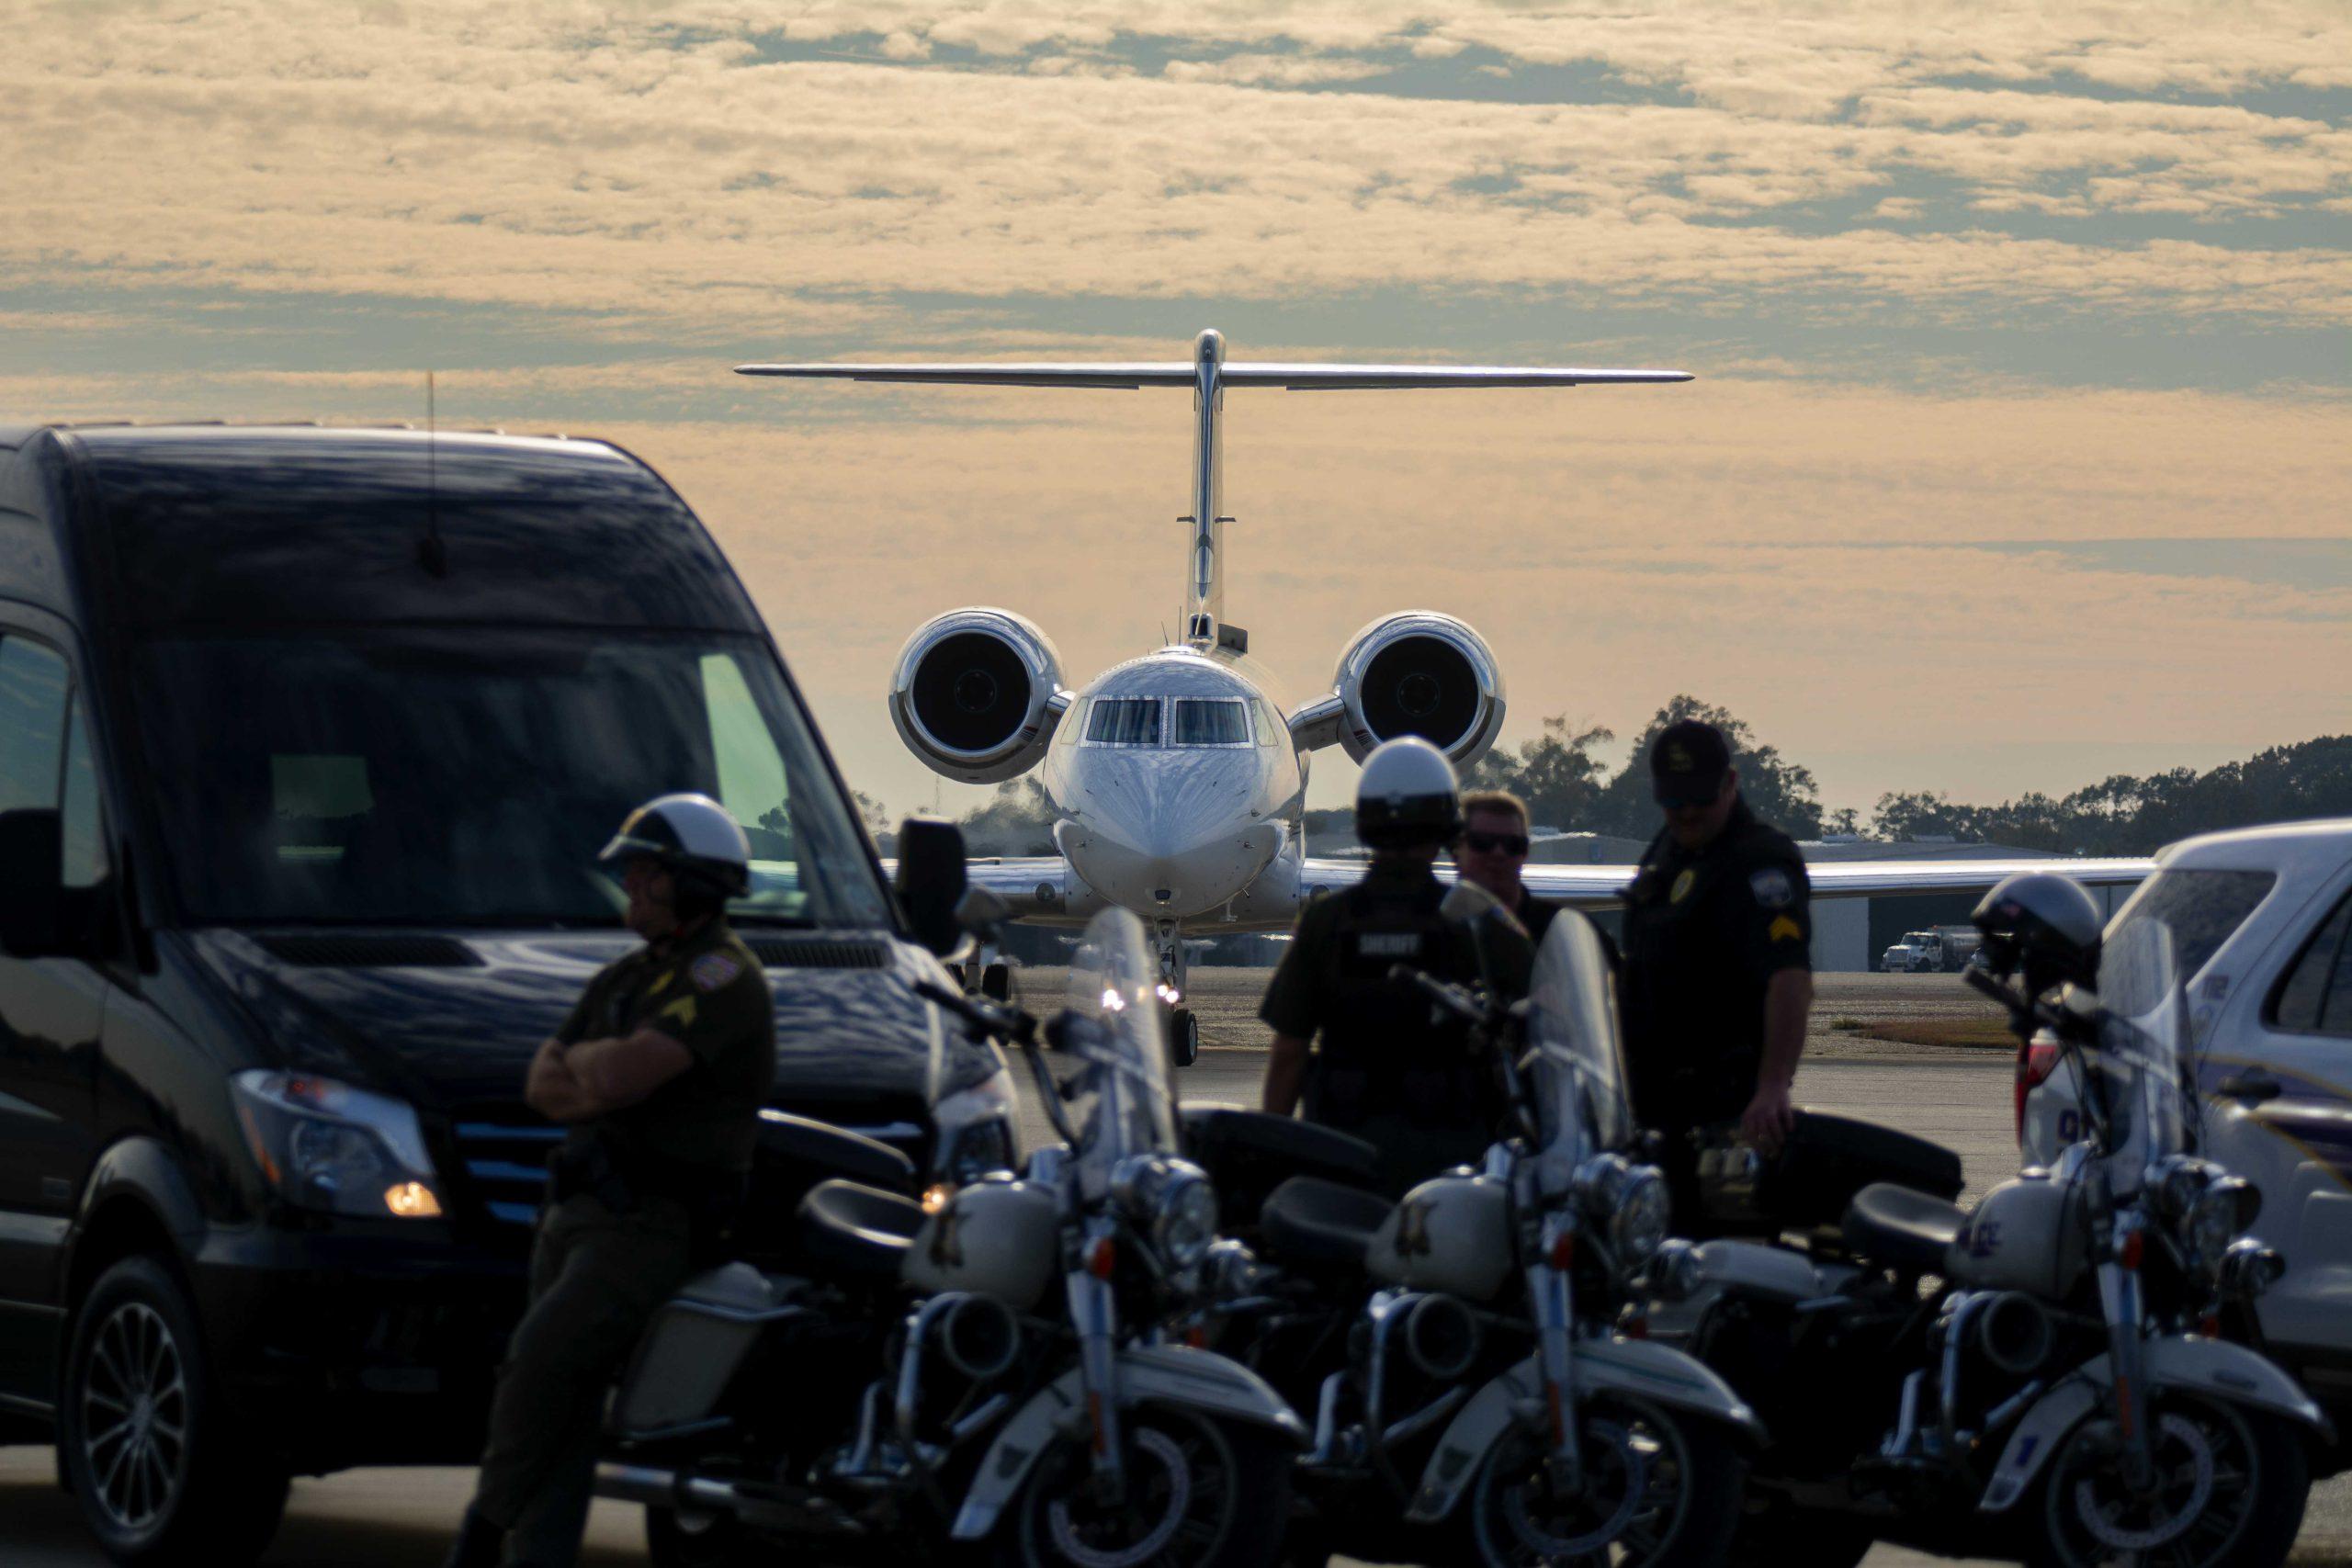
(1825,1161)
(1247,1153)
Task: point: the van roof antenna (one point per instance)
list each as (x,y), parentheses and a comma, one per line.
(431,553)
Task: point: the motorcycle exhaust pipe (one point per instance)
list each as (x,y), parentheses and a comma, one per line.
(1442,1338)
(980,1337)
(2015,1334)
(691,1494)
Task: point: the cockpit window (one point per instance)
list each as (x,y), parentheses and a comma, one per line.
(1123,721)
(1212,721)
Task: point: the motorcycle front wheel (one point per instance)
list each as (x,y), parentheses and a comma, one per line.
(1199,1494)
(2230,1487)
(1657,1491)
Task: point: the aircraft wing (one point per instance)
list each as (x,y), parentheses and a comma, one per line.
(1033,884)
(1602,886)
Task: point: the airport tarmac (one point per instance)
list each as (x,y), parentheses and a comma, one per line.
(402,1518)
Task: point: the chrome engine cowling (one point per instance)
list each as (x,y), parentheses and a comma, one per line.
(976,695)
(1421,674)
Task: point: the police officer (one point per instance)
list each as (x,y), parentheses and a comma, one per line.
(659,1072)
(1718,976)
(1492,851)
(1387,1067)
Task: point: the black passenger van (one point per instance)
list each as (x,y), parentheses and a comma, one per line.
(308,741)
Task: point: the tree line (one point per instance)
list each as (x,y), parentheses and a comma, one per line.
(1568,785)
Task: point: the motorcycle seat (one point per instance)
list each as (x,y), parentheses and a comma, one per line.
(849,1231)
(1910,1231)
(1313,1224)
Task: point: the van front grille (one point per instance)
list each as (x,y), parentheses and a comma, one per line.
(818,953)
(505,1168)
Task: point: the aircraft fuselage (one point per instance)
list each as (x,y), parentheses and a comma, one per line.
(1177,789)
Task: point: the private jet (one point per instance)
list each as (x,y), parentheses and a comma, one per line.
(1178,779)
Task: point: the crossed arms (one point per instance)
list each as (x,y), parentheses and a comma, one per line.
(596,1076)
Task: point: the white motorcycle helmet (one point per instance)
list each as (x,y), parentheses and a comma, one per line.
(692,838)
(1407,794)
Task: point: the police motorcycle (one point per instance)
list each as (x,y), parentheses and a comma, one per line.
(975,1367)
(2036,1376)
(1475,1393)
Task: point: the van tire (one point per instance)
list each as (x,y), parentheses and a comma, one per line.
(138,1393)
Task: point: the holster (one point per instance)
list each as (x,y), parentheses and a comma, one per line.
(621,1181)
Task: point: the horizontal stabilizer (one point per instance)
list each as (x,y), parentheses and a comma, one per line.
(1186,373)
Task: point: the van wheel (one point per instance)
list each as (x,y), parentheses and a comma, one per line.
(143,1437)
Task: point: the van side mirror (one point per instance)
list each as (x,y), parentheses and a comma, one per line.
(32,869)
(931,881)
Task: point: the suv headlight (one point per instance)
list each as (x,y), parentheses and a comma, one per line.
(326,1145)
(975,1131)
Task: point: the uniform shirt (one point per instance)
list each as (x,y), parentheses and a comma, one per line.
(1333,979)
(709,994)
(1705,932)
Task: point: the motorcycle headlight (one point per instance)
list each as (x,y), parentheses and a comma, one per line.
(2219,1216)
(1187,1222)
(975,1131)
(326,1145)
(1171,1199)
(1644,1214)
(1630,1200)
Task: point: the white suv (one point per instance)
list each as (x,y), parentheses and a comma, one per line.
(2261,925)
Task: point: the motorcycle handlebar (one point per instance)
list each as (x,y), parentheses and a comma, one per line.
(1454,999)
(1007,1024)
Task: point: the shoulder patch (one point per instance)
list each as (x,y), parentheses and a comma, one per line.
(1772,887)
(712,970)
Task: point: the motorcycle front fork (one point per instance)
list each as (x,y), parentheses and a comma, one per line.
(1095,1316)
(1555,1313)
(2126,1313)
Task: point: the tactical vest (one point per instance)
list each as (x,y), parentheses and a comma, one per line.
(1383,1052)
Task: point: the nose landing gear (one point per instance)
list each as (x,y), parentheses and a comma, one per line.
(1183,1028)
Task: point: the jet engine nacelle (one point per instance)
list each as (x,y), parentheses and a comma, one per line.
(1419,673)
(977,695)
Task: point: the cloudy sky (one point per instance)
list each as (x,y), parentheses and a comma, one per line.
(2020,451)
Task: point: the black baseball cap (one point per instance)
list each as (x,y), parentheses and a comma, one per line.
(1687,761)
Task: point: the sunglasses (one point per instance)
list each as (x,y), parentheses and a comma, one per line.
(1488,843)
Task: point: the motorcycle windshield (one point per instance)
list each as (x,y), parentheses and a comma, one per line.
(1577,1065)
(1121,1099)
(2143,1074)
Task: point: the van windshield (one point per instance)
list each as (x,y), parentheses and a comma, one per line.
(433,777)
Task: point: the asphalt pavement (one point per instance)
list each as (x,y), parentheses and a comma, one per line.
(402,1518)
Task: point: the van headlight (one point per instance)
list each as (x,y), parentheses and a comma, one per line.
(975,1131)
(326,1145)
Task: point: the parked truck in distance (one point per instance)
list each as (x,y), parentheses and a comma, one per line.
(1940,950)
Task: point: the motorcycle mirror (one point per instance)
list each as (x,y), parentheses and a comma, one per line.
(1465,902)
(982,911)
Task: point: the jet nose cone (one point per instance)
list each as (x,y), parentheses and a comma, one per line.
(1167,841)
